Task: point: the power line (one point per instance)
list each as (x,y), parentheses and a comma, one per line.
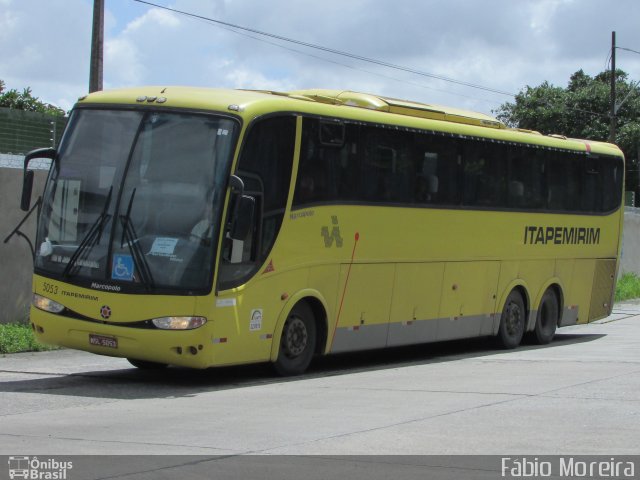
(628,50)
(351,67)
(234,28)
(333,51)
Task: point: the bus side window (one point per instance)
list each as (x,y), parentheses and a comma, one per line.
(312,169)
(526,178)
(265,167)
(437,163)
(328,171)
(611,169)
(485,175)
(592,183)
(427,182)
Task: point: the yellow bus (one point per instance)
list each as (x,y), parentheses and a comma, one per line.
(209,227)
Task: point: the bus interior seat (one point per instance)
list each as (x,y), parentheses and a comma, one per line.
(432,184)
(555,198)
(516,193)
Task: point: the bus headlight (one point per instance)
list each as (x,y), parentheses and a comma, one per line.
(46,304)
(179,323)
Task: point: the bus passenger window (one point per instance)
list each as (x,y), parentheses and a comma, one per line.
(485,175)
(328,171)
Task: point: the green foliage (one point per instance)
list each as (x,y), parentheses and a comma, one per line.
(628,287)
(581,110)
(26,101)
(16,338)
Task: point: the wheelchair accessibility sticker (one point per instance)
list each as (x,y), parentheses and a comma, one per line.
(122,268)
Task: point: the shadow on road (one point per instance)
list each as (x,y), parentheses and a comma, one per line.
(181,382)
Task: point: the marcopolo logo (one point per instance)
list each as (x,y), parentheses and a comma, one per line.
(38,469)
(334,236)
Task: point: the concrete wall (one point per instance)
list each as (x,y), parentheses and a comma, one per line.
(630,261)
(16,264)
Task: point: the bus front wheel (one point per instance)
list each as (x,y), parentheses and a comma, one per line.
(512,321)
(298,341)
(547,319)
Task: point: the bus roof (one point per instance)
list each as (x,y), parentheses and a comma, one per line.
(342,104)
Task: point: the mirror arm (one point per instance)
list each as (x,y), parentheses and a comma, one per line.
(16,231)
(236,184)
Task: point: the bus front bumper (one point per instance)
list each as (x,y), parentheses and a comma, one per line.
(187,348)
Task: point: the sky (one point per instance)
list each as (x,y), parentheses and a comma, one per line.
(503,45)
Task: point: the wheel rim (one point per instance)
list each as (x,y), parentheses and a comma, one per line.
(296,337)
(514,320)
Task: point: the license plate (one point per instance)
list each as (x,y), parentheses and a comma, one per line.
(103,341)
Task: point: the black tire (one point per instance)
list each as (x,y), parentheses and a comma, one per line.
(547,319)
(145,365)
(512,321)
(298,341)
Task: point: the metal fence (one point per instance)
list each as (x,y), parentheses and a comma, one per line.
(22,131)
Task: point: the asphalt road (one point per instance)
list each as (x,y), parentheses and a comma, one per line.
(578,395)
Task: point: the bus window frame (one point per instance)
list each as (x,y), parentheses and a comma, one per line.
(144,108)
(259,213)
(462,146)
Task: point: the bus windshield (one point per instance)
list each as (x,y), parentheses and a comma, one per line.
(133,200)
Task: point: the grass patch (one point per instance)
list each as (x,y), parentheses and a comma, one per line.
(17,337)
(628,287)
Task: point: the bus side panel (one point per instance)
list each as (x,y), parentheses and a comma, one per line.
(365,295)
(578,297)
(602,292)
(325,279)
(416,303)
(564,270)
(245,319)
(468,299)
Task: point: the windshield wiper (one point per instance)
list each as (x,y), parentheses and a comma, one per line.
(131,237)
(91,239)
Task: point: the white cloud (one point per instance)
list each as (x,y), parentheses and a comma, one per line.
(249,79)
(159,18)
(125,65)
(498,43)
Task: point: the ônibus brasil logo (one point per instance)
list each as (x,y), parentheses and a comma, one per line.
(34,468)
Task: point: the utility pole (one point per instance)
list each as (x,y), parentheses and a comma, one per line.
(612,125)
(97,41)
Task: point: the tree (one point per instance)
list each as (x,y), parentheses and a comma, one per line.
(582,110)
(26,101)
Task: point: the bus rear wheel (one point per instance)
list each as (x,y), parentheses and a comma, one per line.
(145,365)
(298,341)
(547,319)
(512,321)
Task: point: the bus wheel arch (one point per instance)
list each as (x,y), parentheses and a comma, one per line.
(513,318)
(322,328)
(304,314)
(557,288)
(521,287)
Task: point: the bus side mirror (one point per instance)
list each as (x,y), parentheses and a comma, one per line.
(27,188)
(243,217)
(27,179)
